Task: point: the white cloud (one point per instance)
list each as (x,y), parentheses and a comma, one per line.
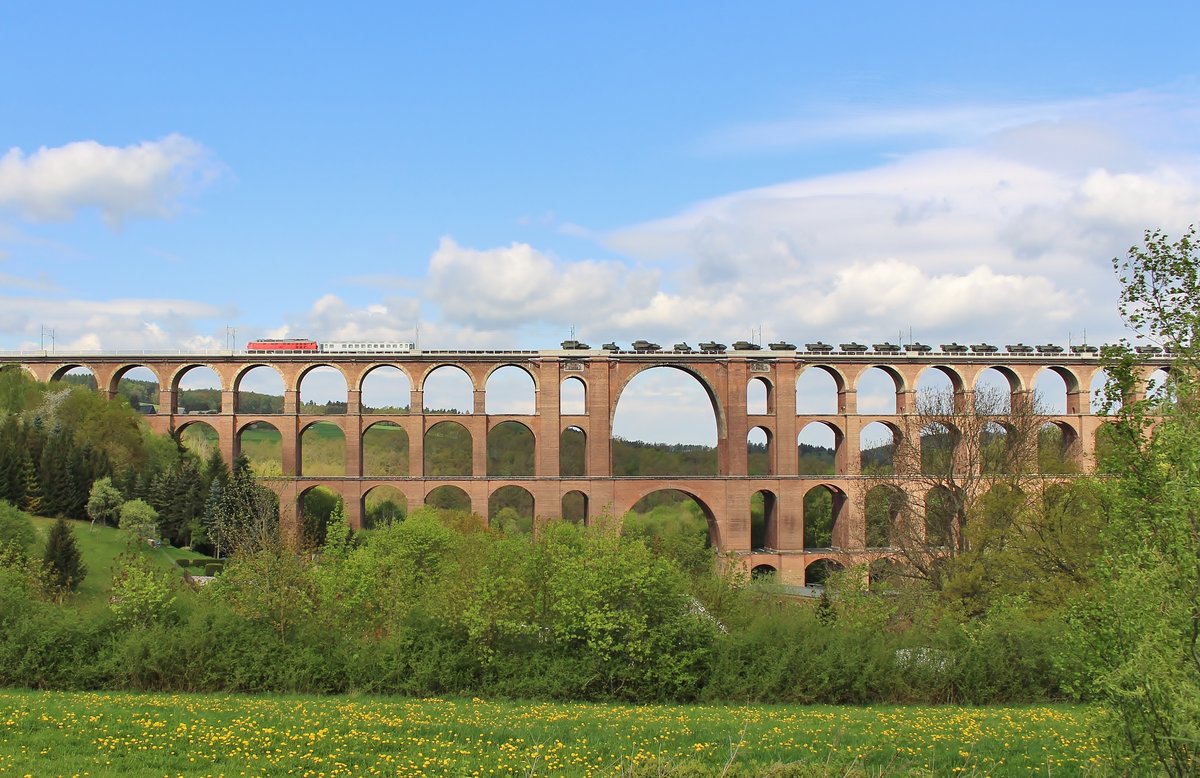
(509,286)
(141,180)
(959,243)
(135,324)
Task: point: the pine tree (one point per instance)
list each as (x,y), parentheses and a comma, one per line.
(63,562)
(31,490)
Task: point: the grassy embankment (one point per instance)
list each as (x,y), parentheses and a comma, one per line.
(101,734)
(100,546)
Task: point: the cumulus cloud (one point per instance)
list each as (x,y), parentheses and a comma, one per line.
(139,324)
(974,242)
(141,180)
(504,287)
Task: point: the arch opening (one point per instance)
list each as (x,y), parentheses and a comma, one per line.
(572,453)
(448,389)
(382,506)
(449,498)
(877,448)
(200,438)
(939,443)
(138,386)
(510,390)
(575,507)
(817,389)
(323,391)
(1102,403)
(817,572)
(764,529)
(322,450)
(572,397)
(758,397)
(77,375)
(259,390)
(511,510)
(511,450)
(877,390)
(1057,448)
(763,573)
(386,389)
(675,524)
(448,451)
(883,509)
(316,506)
(198,390)
(261,444)
(385,450)
(939,380)
(818,449)
(1050,390)
(759,455)
(823,506)
(994,390)
(664,424)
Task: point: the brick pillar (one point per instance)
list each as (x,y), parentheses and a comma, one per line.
(786,428)
(734,460)
(546,426)
(166,401)
(228,401)
(352,427)
(291,401)
(601,400)
(416,447)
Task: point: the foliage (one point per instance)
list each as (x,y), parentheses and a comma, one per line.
(62,560)
(964,473)
(139,519)
(16,530)
(1140,625)
(105,502)
(142,593)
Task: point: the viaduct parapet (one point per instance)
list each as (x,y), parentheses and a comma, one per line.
(726,378)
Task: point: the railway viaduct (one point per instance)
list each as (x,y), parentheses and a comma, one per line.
(726,378)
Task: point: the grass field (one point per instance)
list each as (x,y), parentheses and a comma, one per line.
(100,546)
(109,734)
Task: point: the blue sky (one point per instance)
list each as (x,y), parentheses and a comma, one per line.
(501,173)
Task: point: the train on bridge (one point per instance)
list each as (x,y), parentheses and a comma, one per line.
(308,346)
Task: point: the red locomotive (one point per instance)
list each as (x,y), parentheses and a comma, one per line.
(281,345)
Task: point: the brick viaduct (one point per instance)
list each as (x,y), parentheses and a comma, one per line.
(726,378)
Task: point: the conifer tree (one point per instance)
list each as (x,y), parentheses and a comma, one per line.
(31,490)
(63,562)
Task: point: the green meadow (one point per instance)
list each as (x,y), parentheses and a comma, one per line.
(111,734)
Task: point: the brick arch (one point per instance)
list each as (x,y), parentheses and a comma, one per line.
(304,370)
(1015,384)
(426,373)
(177,374)
(633,496)
(435,486)
(366,371)
(501,365)
(119,372)
(956,380)
(240,374)
(839,378)
(769,386)
(709,390)
(59,372)
(891,372)
(1069,376)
